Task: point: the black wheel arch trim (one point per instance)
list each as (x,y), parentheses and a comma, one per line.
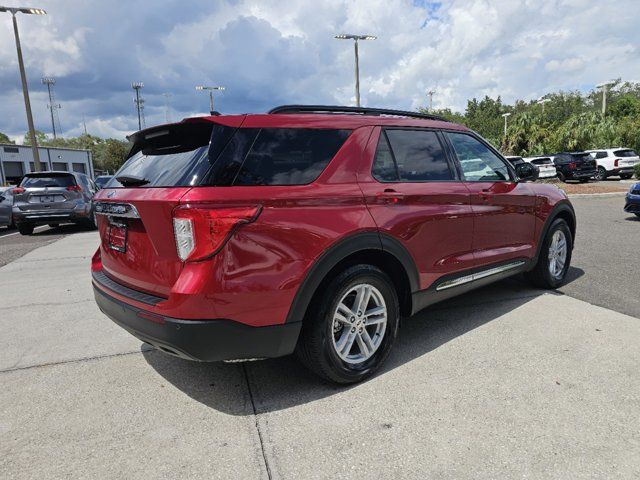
(370,240)
(561,207)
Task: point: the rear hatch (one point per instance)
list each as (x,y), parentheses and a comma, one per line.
(134,209)
(584,162)
(626,157)
(46,191)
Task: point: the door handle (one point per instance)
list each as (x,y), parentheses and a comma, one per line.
(390,195)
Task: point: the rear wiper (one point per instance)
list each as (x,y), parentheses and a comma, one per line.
(132,180)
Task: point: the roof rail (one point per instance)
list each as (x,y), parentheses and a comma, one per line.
(353,110)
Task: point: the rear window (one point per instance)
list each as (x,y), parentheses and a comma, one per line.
(230,156)
(42,181)
(625,153)
(541,161)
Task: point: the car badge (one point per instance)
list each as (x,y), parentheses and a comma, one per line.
(111,194)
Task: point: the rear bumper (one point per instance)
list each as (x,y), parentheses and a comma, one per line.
(621,170)
(202,340)
(42,217)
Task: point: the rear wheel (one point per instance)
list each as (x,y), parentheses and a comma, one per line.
(350,328)
(561,177)
(25,229)
(555,257)
(601,174)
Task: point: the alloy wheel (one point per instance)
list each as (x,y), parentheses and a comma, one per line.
(557,253)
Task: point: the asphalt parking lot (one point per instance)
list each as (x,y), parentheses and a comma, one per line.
(505,382)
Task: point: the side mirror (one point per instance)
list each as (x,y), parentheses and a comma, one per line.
(527,172)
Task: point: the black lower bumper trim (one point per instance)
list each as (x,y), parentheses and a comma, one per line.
(202,340)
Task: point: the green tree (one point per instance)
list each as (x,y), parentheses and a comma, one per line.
(5,139)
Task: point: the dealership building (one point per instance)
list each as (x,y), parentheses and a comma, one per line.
(17,160)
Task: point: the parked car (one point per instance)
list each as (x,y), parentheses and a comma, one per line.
(53,198)
(6,206)
(632,204)
(574,166)
(545,165)
(313,229)
(615,161)
(102,180)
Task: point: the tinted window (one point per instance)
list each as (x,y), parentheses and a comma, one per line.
(168,170)
(541,161)
(42,181)
(625,153)
(289,156)
(418,155)
(478,163)
(384,167)
(601,154)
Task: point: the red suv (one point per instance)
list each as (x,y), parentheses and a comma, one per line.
(314,229)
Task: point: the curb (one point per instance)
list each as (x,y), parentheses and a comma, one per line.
(586,195)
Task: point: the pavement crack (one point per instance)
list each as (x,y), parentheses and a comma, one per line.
(75,360)
(257,423)
(45,304)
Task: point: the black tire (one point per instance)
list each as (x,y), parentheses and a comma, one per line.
(316,347)
(540,276)
(25,228)
(90,223)
(561,177)
(637,215)
(54,225)
(626,176)
(601,174)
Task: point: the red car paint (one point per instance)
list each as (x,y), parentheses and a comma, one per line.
(447,227)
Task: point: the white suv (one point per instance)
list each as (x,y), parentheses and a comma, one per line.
(545,165)
(614,161)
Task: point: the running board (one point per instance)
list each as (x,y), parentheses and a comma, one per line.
(478,275)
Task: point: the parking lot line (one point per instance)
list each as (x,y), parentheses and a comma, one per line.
(16,233)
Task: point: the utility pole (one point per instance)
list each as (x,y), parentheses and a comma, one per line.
(210,90)
(139,101)
(356,39)
(605,87)
(23,77)
(50,82)
(84,124)
(430,93)
(505,115)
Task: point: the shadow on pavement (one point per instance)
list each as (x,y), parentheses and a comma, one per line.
(284,382)
(62,230)
(632,218)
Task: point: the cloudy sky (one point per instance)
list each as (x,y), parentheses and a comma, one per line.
(269,53)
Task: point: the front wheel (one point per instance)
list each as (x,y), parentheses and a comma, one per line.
(555,257)
(350,328)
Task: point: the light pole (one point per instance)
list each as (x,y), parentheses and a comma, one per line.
(138,101)
(23,77)
(49,82)
(505,115)
(430,93)
(542,101)
(210,90)
(356,39)
(167,116)
(605,87)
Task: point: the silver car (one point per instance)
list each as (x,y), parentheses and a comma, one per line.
(52,198)
(6,206)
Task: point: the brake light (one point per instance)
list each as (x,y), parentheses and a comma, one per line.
(615,164)
(18,190)
(572,166)
(74,188)
(201,231)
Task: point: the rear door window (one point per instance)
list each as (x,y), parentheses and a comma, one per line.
(50,181)
(477,161)
(411,156)
(625,153)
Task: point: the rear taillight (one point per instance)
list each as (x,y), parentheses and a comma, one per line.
(572,166)
(615,164)
(18,190)
(201,231)
(74,188)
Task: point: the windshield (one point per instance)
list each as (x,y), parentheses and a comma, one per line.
(42,181)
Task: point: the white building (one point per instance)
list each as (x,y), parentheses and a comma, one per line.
(16,160)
